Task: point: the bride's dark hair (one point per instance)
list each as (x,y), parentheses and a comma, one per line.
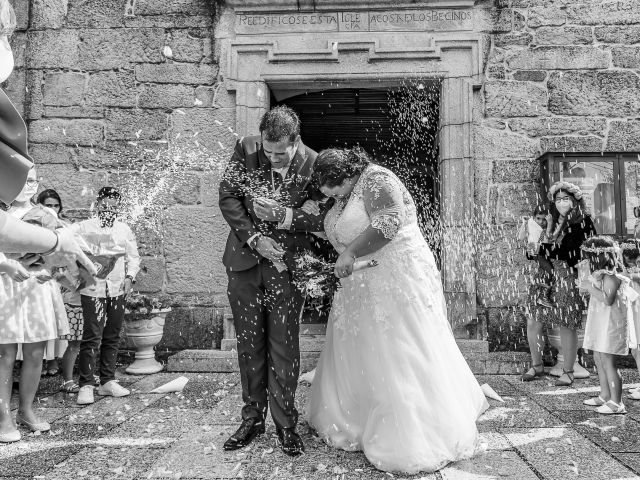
(335,165)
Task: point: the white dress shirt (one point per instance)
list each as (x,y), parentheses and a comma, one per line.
(118,239)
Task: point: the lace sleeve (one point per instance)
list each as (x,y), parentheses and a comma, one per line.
(383,199)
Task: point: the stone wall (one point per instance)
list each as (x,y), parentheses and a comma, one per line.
(560,76)
(95,76)
(100,80)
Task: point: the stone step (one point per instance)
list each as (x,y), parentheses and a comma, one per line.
(480,362)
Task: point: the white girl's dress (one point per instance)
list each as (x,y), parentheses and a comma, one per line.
(30,312)
(391,380)
(607,328)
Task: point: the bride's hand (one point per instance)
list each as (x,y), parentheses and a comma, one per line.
(344,265)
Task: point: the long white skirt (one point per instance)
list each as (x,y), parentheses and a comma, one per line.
(391,380)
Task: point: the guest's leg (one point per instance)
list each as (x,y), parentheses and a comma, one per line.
(111,338)
(614,380)
(8,353)
(285,305)
(605,392)
(246,297)
(30,379)
(569,342)
(69,359)
(94,311)
(535,338)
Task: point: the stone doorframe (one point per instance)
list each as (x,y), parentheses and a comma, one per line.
(254,64)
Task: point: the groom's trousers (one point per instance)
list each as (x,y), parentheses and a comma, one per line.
(266,312)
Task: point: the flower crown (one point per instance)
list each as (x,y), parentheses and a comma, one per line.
(600,249)
(629,246)
(571,188)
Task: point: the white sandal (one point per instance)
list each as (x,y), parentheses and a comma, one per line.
(611,408)
(595,401)
(634,394)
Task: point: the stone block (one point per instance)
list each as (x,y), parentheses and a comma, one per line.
(496,71)
(194,243)
(513,201)
(571,144)
(181,73)
(205,97)
(213,127)
(609,93)
(567,35)
(626,57)
(118,48)
(495,20)
(166,96)
(151,276)
(559,58)
(546,16)
(97,14)
(18,42)
(49,153)
(21,10)
(34,107)
(112,89)
(555,126)
(209,189)
(73,112)
(149,240)
(64,89)
(621,12)
(530,75)
(192,45)
(124,124)
(190,7)
(499,144)
(515,99)
(15,89)
(515,171)
(48,14)
(194,327)
(169,21)
(53,49)
(67,132)
(624,136)
(628,34)
(76,187)
(186,188)
(511,39)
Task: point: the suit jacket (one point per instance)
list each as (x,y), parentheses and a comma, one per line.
(249,175)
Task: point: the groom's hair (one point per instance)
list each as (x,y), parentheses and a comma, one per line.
(279,124)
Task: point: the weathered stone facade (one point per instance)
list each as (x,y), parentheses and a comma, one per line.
(91,76)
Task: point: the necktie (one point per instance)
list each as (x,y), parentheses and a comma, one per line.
(277,180)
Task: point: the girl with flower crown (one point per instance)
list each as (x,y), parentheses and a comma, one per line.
(606,333)
(631,258)
(569,227)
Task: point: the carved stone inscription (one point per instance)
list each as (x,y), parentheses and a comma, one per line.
(425,20)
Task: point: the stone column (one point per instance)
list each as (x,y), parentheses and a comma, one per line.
(457,187)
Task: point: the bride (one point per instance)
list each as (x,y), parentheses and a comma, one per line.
(391,380)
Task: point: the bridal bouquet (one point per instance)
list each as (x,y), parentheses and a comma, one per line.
(315,277)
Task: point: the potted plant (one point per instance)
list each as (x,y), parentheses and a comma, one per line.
(143,329)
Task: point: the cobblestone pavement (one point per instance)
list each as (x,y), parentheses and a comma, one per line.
(539,432)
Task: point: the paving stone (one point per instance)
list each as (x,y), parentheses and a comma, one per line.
(625,437)
(111,411)
(630,460)
(517,412)
(199,455)
(489,465)
(198,394)
(100,462)
(161,428)
(227,411)
(561,453)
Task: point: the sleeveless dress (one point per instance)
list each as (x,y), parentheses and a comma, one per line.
(391,380)
(607,329)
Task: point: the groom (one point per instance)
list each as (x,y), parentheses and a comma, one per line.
(265,184)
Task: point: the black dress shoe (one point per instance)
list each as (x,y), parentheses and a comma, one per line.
(290,441)
(249,429)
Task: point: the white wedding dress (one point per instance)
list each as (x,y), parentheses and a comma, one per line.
(391,380)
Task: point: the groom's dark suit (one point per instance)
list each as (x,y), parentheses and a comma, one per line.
(266,306)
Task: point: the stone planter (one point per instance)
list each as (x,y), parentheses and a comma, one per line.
(144,333)
(554,339)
